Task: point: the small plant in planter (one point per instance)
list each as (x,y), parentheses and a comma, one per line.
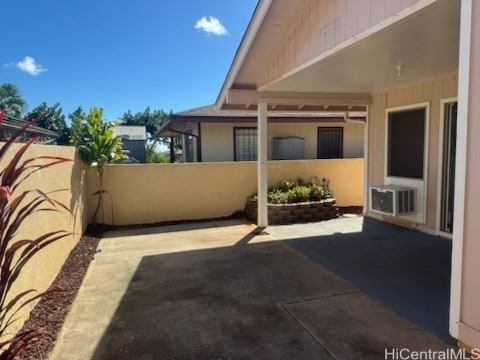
(320,190)
(276,196)
(299,193)
(16,206)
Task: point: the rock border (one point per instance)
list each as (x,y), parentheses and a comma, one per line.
(279,214)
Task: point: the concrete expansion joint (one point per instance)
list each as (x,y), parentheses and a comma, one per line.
(300,301)
(310,334)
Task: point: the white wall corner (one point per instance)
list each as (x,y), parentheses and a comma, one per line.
(460,166)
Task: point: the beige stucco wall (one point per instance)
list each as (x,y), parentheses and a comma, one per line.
(44,267)
(429,91)
(217,139)
(325,24)
(151,193)
(469,332)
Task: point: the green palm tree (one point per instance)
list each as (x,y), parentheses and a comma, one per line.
(11,100)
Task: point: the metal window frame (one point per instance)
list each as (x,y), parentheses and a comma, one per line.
(235,138)
(324,129)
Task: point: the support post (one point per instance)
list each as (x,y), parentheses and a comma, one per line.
(184,148)
(366,193)
(464,74)
(172,150)
(262,126)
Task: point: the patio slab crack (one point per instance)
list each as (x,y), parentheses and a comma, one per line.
(318,340)
(353,325)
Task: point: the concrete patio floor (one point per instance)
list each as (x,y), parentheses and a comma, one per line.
(405,269)
(215,291)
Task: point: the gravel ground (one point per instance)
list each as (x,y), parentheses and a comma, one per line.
(49,314)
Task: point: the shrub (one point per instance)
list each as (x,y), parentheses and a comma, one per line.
(286,192)
(276,196)
(285,186)
(299,194)
(15,207)
(317,193)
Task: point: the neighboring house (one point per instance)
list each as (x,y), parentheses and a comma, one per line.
(10,125)
(211,135)
(414,66)
(133,141)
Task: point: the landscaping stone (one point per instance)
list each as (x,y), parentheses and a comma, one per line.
(279,214)
(49,314)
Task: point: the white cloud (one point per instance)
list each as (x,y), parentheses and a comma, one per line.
(211,26)
(30,66)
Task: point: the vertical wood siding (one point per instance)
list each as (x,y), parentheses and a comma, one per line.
(325,24)
(432,91)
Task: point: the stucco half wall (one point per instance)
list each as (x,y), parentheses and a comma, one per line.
(152,193)
(42,269)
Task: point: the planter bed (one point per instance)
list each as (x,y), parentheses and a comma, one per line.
(279,214)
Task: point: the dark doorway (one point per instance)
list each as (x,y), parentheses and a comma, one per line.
(448,167)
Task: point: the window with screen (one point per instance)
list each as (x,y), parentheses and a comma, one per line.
(330,143)
(406,143)
(245,144)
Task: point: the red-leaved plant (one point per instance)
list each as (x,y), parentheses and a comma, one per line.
(16,206)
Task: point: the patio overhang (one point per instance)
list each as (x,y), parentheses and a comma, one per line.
(420,42)
(168,129)
(419,46)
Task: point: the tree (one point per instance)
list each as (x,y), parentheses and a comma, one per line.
(96,145)
(77,118)
(152,121)
(153,156)
(11,100)
(51,118)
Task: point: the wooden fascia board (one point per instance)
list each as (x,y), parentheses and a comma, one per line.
(271,119)
(253,27)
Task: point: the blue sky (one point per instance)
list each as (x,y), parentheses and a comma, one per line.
(120,54)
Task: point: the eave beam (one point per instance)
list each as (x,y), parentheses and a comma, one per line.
(242,97)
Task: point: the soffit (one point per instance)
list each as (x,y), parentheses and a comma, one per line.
(424,45)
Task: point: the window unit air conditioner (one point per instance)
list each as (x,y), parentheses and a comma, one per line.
(393,200)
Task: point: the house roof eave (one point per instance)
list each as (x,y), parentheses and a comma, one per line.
(17,124)
(253,27)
